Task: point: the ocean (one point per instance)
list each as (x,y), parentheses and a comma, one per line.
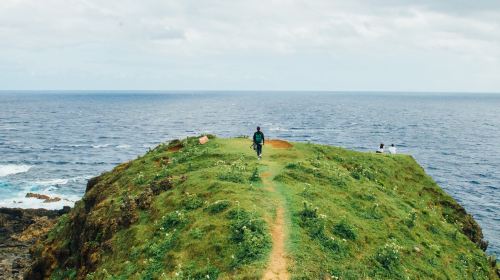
(53,142)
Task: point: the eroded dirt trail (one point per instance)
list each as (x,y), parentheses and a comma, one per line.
(277,267)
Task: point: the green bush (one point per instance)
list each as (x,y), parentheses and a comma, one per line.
(195,272)
(250,234)
(140,179)
(232,176)
(411,219)
(345,230)
(255,175)
(173,220)
(192,202)
(314,224)
(218,206)
(389,256)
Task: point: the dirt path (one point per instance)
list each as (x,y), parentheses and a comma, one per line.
(277,266)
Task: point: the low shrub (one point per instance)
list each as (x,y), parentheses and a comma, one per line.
(314,224)
(218,206)
(255,176)
(345,230)
(388,256)
(173,220)
(250,234)
(411,218)
(232,176)
(192,202)
(140,179)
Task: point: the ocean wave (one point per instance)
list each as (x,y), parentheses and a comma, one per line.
(11,169)
(21,201)
(123,146)
(278,129)
(100,146)
(51,182)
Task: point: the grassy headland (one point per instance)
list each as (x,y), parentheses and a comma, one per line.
(308,211)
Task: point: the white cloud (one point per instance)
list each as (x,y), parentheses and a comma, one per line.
(238,44)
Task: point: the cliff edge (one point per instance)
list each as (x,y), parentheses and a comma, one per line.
(305,211)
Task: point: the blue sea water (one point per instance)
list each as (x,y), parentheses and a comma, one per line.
(52,142)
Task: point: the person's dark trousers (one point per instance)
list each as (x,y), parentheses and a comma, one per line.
(259,149)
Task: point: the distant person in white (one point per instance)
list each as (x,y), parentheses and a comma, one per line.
(380,149)
(392,149)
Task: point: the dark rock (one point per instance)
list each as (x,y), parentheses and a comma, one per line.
(19,228)
(91,183)
(160,186)
(145,198)
(129,213)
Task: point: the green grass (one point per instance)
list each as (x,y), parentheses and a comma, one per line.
(203,212)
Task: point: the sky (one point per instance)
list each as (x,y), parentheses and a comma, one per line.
(331,45)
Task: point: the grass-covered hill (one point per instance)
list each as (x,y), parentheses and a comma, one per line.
(305,211)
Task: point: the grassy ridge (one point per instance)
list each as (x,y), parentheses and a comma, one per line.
(190,211)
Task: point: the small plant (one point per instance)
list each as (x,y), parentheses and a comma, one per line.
(411,218)
(332,244)
(255,175)
(311,221)
(139,179)
(173,220)
(314,224)
(196,233)
(293,165)
(389,256)
(433,228)
(232,176)
(308,211)
(358,172)
(307,192)
(345,230)
(196,271)
(218,206)
(192,202)
(372,212)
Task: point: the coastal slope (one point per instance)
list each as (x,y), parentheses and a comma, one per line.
(305,211)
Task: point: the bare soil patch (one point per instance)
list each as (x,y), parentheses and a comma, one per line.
(175,148)
(265,175)
(280,144)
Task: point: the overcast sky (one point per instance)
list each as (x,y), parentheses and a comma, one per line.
(396,45)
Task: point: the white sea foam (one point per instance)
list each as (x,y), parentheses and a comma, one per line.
(278,129)
(52,182)
(11,169)
(123,146)
(100,146)
(21,201)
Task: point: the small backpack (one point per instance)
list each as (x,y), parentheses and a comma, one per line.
(258,137)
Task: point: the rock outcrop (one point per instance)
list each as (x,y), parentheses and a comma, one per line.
(19,229)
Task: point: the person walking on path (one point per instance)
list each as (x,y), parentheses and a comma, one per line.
(258,141)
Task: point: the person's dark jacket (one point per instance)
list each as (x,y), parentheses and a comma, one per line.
(255,138)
